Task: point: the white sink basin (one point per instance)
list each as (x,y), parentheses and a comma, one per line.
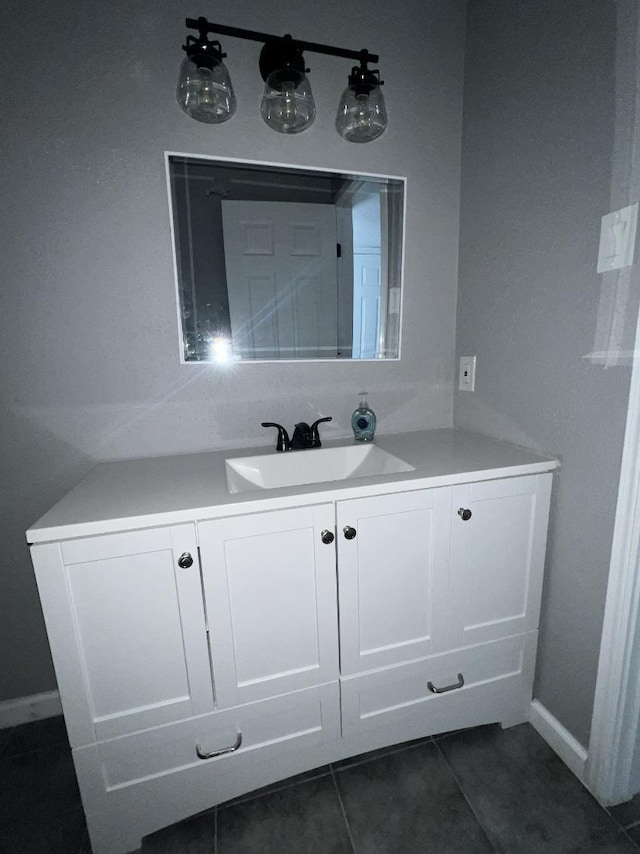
(315,465)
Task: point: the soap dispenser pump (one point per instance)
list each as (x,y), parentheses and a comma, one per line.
(363,421)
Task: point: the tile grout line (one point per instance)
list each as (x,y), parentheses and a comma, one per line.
(253,796)
(632,841)
(464,795)
(343,810)
(398,748)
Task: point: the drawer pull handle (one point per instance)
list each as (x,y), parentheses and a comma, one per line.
(214,753)
(465,514)
(457,685)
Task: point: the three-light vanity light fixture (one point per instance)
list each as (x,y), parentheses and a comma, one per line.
(205,92)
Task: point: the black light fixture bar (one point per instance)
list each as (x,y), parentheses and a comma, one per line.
(204,27)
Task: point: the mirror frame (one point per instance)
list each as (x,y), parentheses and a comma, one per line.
(240,161)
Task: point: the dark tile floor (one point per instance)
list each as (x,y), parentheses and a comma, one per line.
(40,810)
(479,790)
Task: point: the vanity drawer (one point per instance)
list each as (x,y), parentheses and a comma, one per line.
(308,716)
(497,681)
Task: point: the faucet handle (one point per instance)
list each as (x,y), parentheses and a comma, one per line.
(283,443)
(315,435)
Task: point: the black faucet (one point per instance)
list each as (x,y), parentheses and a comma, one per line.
(315,435)
(301,437)
(304,436)
(283,443)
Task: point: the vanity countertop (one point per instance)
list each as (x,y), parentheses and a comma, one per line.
(128,494)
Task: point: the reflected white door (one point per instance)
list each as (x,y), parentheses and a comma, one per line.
(366,305)
(282,279)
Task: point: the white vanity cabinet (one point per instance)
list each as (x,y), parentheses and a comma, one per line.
(127,630)
(497,558)
(204,653)
(393,558)
(269,584)
(439,607)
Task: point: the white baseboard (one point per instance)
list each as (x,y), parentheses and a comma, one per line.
(558,738)
(22,710)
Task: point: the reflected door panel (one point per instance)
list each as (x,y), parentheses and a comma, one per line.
(366,305)
(281,257)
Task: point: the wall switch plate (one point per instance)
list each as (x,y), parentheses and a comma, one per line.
(467,376)
(617,239)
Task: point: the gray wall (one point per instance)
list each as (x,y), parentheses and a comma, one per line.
(539,117)
(90,357)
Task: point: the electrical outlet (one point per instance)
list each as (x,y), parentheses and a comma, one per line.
(617,239)
(467,377)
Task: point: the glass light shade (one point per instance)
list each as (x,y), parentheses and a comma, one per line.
(287,105)
(206,94)
(362,116)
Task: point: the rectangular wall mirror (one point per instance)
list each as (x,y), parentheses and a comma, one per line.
(281,263)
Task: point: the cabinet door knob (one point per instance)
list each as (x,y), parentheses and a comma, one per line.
(326,537)
(464,514)
(349,532)
(185,560)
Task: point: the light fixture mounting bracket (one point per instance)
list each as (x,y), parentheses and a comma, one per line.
(363,80)
(204,27)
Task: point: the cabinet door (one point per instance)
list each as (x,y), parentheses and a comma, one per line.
(393,577)
(270,593)
(127,631)
(497,558)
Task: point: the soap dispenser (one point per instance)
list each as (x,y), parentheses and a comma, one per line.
(363,421)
